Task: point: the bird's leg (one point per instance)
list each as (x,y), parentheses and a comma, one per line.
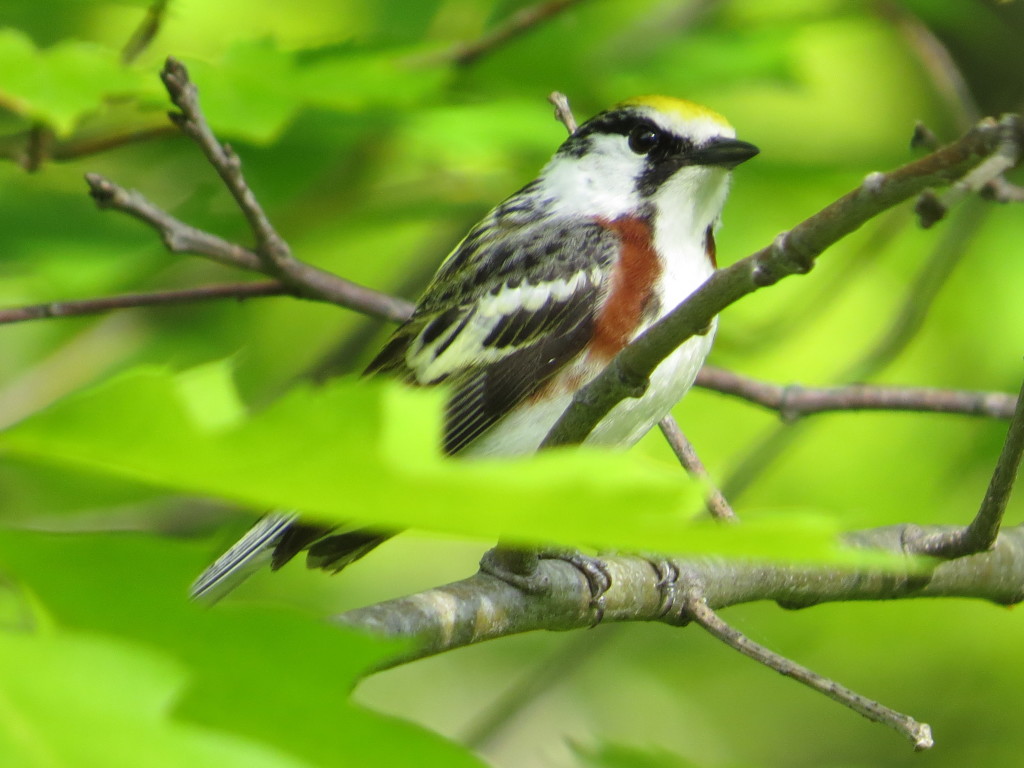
(594,571)
(519,568)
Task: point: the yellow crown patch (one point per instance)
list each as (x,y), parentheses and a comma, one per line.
(687,110)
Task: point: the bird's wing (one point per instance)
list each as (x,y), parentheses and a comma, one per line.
(510,307)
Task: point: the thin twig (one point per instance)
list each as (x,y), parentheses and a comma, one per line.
(569,657)
(931,207)
(1002,191)
(715,502)
(794,401)
(270,246)
(793,252)
(177,236)
(981,534)
(145,33)
(949,251)
(924,138)
(39,139)
(27,150)
(79,307)
(985,526)
(947,78)
(180,237)
(919,734)
(463,54)
(563,112)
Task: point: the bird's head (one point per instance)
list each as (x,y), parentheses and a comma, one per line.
(645,155)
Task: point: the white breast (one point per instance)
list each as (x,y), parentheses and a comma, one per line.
(684,271)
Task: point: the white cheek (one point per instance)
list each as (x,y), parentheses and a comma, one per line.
(599,184)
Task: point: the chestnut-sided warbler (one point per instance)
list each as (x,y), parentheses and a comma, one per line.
(616,230)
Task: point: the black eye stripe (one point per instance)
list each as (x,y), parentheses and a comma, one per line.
(620,122)
(625,122)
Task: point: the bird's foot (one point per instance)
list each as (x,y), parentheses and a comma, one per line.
(667,575)
(521,569)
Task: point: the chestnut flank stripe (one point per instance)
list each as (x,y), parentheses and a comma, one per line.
(632,285)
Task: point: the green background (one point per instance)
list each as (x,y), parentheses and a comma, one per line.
(372,151)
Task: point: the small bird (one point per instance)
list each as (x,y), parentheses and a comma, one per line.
(540,295)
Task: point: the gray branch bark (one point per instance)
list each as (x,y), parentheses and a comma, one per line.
(482,607)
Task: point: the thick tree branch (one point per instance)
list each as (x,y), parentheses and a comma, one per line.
(484,608)
(679,590)
(793,252)
(794,401)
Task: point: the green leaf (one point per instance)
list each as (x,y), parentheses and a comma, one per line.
(62,83)
(257,88)
(623,756)
(76,700)
(209,395)
(250,93)
(357,80)
(266,685)
(367,451)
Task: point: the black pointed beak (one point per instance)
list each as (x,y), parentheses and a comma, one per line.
(725,153)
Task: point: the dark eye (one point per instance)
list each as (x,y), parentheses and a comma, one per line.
(644,138)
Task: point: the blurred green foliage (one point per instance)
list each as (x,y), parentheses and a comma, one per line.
(372,150)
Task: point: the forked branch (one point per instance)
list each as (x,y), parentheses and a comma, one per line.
(271,256)
(980,535)
(483,607)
